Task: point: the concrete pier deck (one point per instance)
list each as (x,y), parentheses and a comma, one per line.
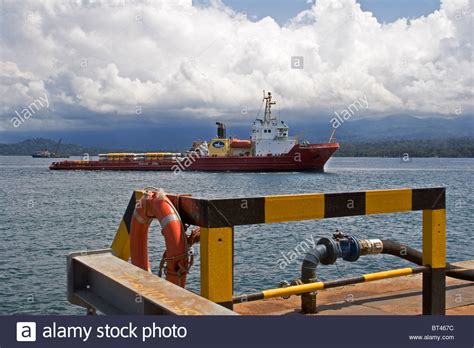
(396,296)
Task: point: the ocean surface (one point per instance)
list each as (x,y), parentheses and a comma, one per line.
(44,215)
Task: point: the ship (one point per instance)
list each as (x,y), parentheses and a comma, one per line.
(269,149)
(48,154)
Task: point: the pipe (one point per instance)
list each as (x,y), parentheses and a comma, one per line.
(311,287)
(308,274)
(349,248)
(327,251)
(394,248)
(221,133)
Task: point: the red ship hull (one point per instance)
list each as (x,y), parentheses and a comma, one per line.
(311,157)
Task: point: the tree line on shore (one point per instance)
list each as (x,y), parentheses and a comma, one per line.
(450,147)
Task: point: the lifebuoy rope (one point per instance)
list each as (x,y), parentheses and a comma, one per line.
(193,237)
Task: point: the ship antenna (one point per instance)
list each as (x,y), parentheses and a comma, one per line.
(268,107)
(261,104)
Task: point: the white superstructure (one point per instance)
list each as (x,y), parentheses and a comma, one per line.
(270,135)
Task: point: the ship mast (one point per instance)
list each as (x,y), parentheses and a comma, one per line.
(268,107)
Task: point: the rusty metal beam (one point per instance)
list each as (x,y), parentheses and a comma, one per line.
(100,281)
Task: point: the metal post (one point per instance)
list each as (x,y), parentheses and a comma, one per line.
(434,256)
(217,264)
(121,242)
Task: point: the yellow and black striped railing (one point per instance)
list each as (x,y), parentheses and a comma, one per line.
(329,284)
(217,217)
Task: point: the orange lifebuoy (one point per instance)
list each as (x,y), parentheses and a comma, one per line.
(155,205)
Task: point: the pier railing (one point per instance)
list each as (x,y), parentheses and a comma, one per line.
(217,218)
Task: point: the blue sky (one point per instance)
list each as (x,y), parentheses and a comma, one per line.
(384,10)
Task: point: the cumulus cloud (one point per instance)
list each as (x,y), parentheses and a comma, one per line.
(110,57)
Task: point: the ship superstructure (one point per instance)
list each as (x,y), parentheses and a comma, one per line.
(270,135)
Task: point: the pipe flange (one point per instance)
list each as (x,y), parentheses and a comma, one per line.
(331,251)
(354,249)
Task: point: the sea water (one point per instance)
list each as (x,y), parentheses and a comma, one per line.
(44,215)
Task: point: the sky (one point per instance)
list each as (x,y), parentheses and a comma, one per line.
(80,65)
(283,10)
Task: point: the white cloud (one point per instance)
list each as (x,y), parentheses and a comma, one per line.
(110,56)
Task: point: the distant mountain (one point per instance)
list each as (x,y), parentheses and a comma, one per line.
(404,127)
(27,147)
(177,137)
(454,147)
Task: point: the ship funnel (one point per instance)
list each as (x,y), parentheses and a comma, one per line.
(221,133)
